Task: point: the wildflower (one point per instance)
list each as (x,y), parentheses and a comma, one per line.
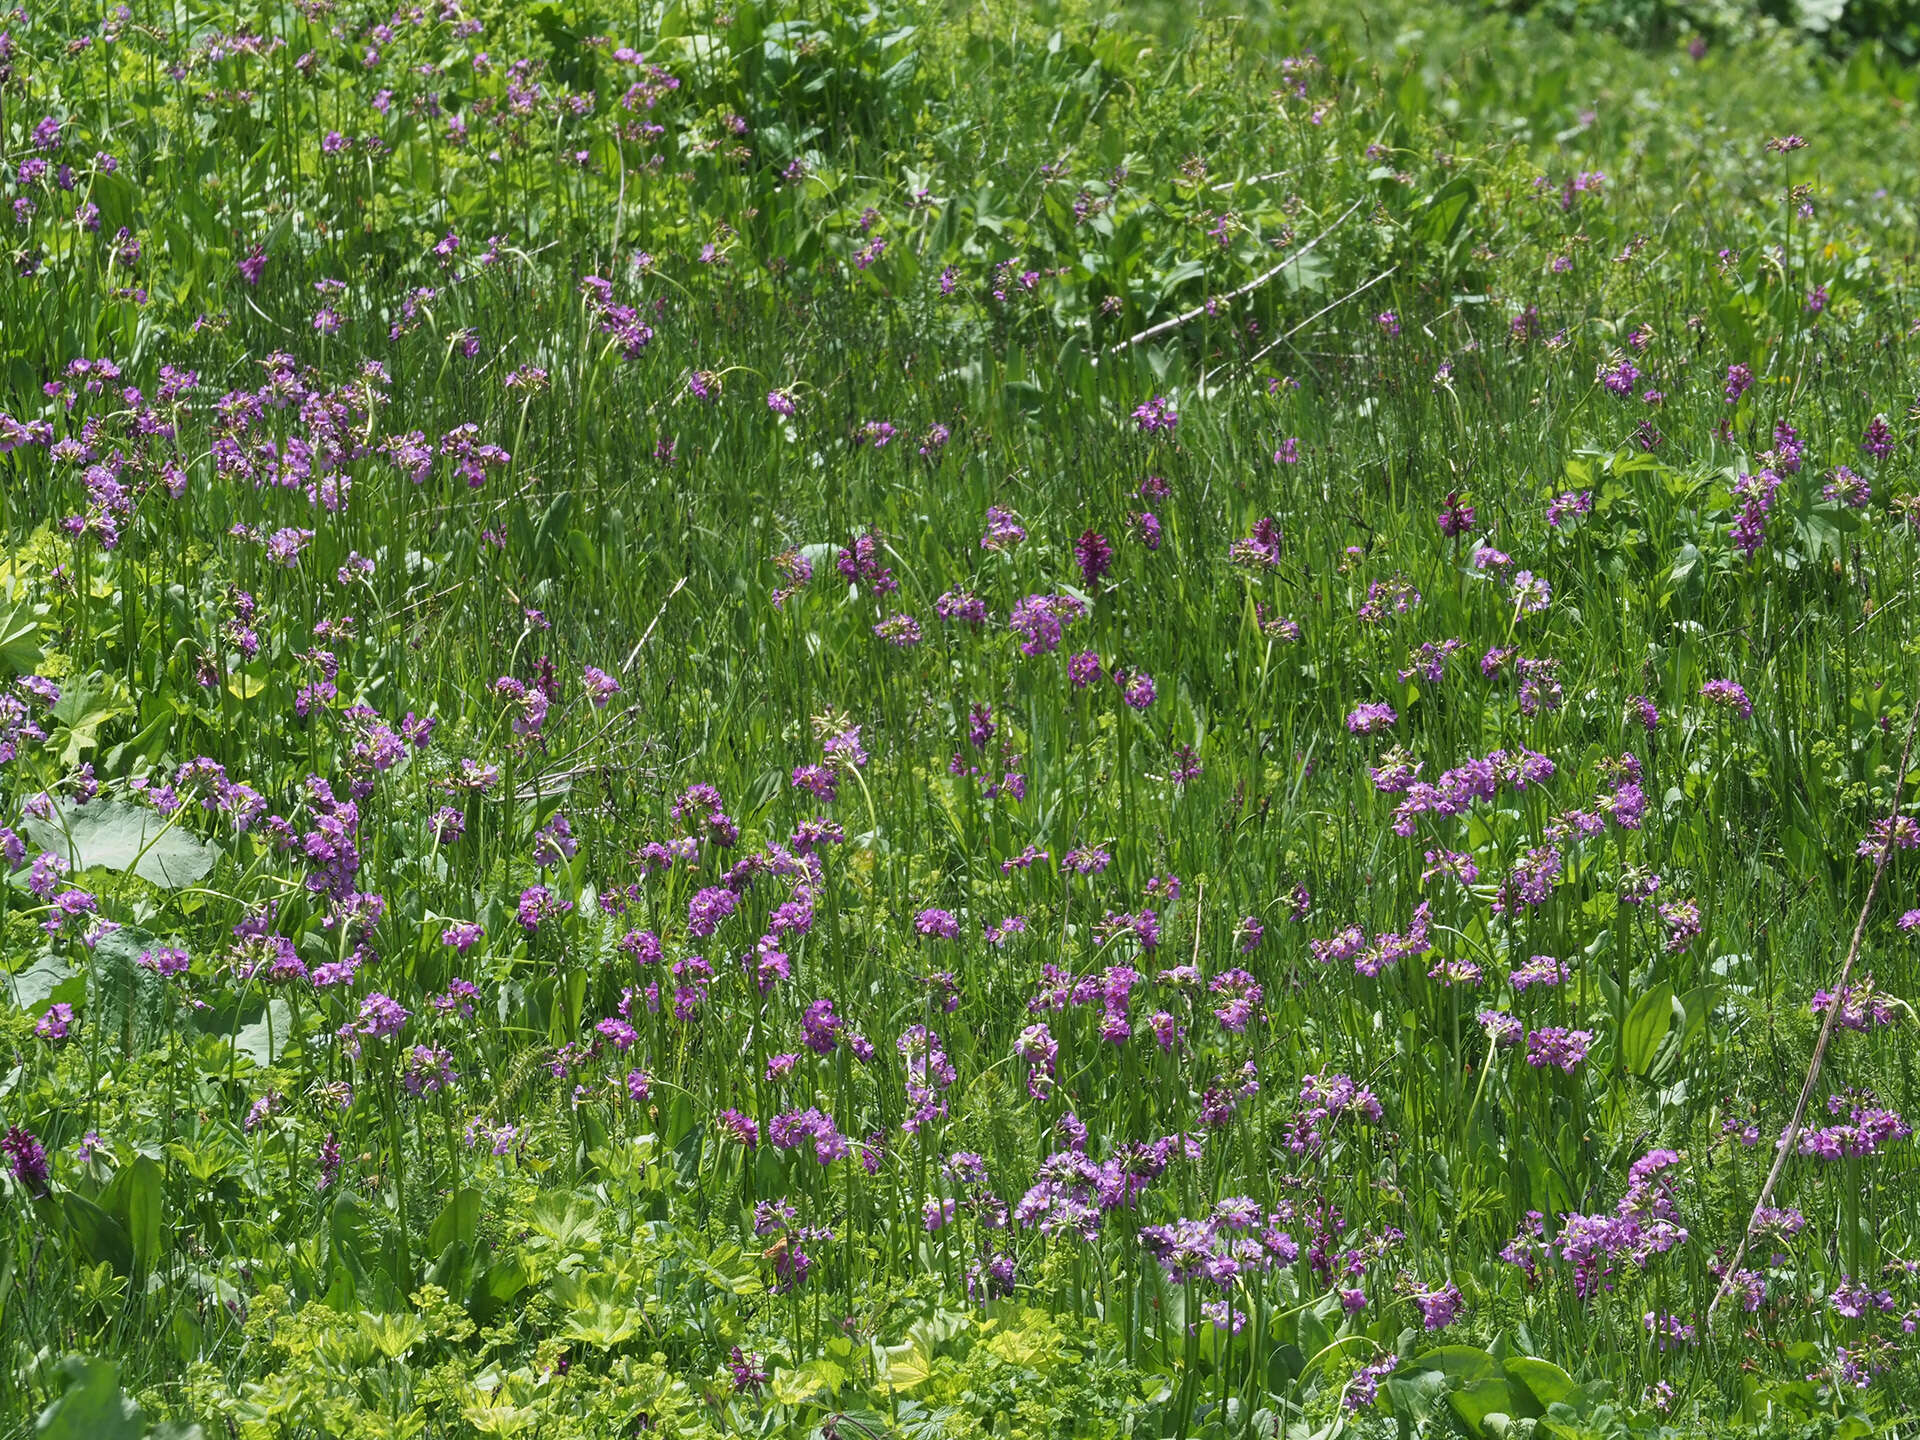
(1682,919)
(26,1159)
(163,960)
(1371,718)
(1755,494)
(1364,1386)
(55,1024)
(1456,517)
(1846,488)
(1438,1308)
(938,924)
(553,843)
(1540,970)
(381,1017)
(1728,695)
(600,686)
(1136,688)
(1531,594)
(1039,621)
(1502,1029)
(1093,555)
(902,631)
(1156,415)
(1857,1007)
(1556,1045)
(1004,530)
(1895,831)
(1261,550)
(1572,502)
(1878,439)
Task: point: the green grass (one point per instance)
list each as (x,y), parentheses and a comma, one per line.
(797,274)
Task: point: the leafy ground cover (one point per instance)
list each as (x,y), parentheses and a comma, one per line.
(796,719)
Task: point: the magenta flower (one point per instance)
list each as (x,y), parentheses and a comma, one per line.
(1371,718)
(1728,695)
(1558,1046)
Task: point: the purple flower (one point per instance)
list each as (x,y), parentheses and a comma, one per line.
(537,905)
(1039,621)
(600,686)
(1438,1308)
(1878,439)
(937,924)
(900,630)
(1556,1045)
(1531,593)
(1093,555)
(553,843)
(956,605)
(1455,517)
(1540,970)
(381,1017)
(1728,695)
(1682,919)
(1156,415)
(56,1023)
(1502,1029)
(1136,688)
(1004,530)
(1370,718)
(1260,550)
(1901,831)
(708,908)
(26,1158)
(743,1128)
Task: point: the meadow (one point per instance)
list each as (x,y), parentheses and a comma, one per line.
(822,719)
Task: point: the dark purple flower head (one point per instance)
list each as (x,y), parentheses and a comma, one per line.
(1093,555)
(26,1158)
(1456,517)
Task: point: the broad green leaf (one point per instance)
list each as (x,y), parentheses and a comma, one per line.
(84,709)
(113,835)
(101,1238)
(92,1406)
(392,1335)
(1545,1381)
(145,1195)
(1645,1027)
(20,636)
(1459,1363)
(459,1220)
(907,1365)
(35,987)
(266,1038)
